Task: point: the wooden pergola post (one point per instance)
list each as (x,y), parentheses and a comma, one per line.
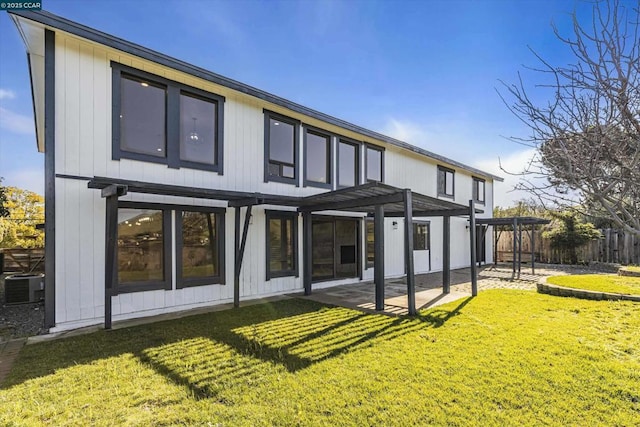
(408,252)
(378,243)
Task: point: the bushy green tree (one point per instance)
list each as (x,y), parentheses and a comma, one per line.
(25,210)
(4,212)
(568,232)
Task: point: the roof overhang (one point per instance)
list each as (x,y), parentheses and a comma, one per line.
(32,34)
(43,18)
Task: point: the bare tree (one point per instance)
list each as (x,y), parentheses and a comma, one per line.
(588,134)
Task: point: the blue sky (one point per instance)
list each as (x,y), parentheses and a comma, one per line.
(425,72)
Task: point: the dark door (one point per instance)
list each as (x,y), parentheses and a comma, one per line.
(481,247)
(335,249)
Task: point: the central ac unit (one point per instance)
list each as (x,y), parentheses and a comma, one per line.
(23,288)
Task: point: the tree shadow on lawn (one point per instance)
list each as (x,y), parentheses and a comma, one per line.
(210,351)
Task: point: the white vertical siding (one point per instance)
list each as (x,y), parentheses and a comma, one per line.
(83,148)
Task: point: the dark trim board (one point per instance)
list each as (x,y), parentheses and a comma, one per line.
(49,179)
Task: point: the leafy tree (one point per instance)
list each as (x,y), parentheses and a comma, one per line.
(4,212)
(26,210)
(521,208)
(568,233)
(587,134)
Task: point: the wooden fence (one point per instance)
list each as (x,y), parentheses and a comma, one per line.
(18,260)
(615,246)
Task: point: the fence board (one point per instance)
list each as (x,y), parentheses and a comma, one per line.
(19,260)
(615,246)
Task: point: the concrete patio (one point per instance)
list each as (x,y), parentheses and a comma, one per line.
(361,296)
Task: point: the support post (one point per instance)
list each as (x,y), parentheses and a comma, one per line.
(236,276)
(378,267)
(519,249)
(446,254)
(533,249)
(110,272)
(515,249)
(474,248)
(306,252)
(408,251)
(496,238)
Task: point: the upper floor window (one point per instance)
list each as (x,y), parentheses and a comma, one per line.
(281,148)
(375,164)
(348,163)
(478,190)
(446,182)
(162,121)
(318,169)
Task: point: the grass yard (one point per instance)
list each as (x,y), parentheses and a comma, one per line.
(502,358)
(599,282)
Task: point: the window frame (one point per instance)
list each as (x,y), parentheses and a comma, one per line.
(368,147)
(172,120)
(419,223)
(282,215)
(167,245)
(268,115)
(358,160)
(220,278)
(330,167)
(474,190)
(453,184)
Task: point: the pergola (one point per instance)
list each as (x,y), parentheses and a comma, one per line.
(516,223)
(374,199)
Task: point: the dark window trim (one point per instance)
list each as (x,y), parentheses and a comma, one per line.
(367,264)
(219,279)
(167,246)
(322,133)
(475,180)
(293,216)
(296,148)
(358,160)
(366,162)
(428,241)
(453,186)
(172,116)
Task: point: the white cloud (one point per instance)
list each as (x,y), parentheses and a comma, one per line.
(407,131)
(513,164)
(7,94)
(16,123)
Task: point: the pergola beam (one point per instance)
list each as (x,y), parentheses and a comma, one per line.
(354,203)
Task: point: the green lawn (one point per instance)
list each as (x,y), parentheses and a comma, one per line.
(502,358)
(599,282)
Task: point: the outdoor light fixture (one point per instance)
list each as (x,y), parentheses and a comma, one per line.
(395,225)
(194,138)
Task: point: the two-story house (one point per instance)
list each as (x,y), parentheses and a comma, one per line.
(169,187)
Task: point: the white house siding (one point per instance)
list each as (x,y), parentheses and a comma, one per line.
(83,148)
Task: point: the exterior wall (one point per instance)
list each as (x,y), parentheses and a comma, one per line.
(83,148)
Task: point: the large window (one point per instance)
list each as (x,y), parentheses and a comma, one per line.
(199,247)
(348,162)
(162,121)
(282,244)
(375,164)
(144,248)
(446,183)
(317,158)
(478,190)
(421,236)
(281,148)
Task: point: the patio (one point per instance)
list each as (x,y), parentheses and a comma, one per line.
(429,293)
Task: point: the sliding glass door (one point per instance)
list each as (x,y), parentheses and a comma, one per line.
(335,246)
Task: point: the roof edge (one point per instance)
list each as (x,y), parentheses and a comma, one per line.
(91,34)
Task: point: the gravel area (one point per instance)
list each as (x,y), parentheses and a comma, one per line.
(19,320)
